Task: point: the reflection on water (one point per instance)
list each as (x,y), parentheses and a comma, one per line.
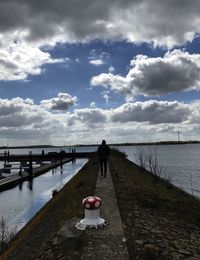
(30,184)
(21,203)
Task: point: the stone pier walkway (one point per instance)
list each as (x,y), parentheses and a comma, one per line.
(109,242)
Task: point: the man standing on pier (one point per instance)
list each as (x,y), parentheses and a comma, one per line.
(103,153)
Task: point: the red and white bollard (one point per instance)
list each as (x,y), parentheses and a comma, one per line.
(92,217)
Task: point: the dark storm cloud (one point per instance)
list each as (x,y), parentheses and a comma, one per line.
(169,22)
(13,15)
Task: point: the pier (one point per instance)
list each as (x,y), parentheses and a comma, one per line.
(26,168)
(43,157)
(12,181)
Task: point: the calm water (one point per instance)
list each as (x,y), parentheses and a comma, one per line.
(21,203)
(181,164)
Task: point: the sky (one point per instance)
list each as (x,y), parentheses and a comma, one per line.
(76,72)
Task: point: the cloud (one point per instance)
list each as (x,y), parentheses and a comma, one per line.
(93,104)
(176,71)
(96,62)
(195,115)
(153,112)
(111,69)
(91,116)
(18,112)
(166,129)
(22,121)
(62,102)
(98,58)
(168,23)
(27,28)
(106,96)
(15,105)
(19,60)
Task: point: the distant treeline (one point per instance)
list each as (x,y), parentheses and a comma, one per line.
(111,144)
(26,147)
(159,143)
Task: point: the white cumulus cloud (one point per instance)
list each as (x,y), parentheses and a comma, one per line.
(91,116)
(22,122)
(152,111)
(62,102)
(19,60)
(176,71)
(96,62)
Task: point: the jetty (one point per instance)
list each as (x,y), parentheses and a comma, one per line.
(147,218)
(26,169)
(43,157)
(12,181)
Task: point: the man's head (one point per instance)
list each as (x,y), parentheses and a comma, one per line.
(103,142)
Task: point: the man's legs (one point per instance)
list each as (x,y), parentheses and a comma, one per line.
(101,167)
(105,167)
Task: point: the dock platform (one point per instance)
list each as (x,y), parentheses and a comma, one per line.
(9,182)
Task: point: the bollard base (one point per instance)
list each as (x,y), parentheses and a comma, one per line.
(90,223)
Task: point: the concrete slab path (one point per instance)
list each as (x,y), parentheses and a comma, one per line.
(109,242)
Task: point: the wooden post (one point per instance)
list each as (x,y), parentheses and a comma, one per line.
(73,156)
(8,159)
(5,157)
(20,170)
(61,163)
(30,165)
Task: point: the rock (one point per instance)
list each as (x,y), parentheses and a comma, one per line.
(184,252)
(139,242)
(124,240)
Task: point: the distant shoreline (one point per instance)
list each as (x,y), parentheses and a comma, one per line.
(115,144)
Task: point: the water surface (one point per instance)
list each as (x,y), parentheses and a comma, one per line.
(22,202)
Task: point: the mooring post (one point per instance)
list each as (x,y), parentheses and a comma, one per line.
(5,157)
(30,184)
(73,155)
(30,165)
(8,159)
(20,170)
(61,165)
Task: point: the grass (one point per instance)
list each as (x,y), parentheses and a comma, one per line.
(146,200)
(147,187)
